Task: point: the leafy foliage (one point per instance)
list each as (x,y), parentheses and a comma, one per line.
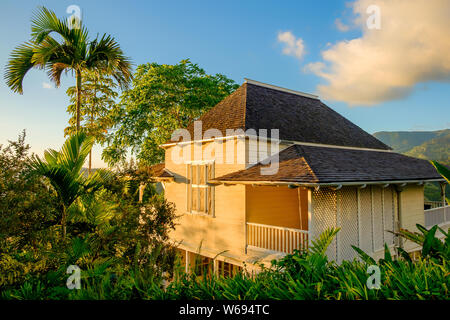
(432,246)
(27,204)
(163,98)
(63,170)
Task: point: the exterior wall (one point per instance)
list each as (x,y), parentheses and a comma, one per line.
(277,206)
(412,210)
(225,231)
(364,215)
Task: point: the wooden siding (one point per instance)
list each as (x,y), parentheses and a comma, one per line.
(277,206)
(226,230)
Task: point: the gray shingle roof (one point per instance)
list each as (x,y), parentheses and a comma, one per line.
(312,164)
(298,118)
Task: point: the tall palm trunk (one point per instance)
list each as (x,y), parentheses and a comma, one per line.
(63,222)
(90,162)
(78,87)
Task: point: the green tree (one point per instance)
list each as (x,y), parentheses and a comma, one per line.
(74,52)
(97,100)
(27,208)
(63,170)
(162,99)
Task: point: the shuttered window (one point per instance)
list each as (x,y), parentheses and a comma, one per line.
(200,195)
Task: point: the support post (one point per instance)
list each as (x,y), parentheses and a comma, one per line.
(310,217)
(442,187)
(216,267)
(398,190)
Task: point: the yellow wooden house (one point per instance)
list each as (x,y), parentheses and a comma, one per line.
(268,169)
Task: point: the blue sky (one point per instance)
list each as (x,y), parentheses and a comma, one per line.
(236,38)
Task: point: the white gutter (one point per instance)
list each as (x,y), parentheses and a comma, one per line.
(251,136)
(328,184)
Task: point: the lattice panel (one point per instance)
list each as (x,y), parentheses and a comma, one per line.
(388,214)
(378,229)
(348,221)
(365,218)
(324,202)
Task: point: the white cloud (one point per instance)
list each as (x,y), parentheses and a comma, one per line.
(47,85)
(341,26)
(292,46)
(411,47)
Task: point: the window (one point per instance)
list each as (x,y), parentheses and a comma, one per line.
(200,195)
(227,270)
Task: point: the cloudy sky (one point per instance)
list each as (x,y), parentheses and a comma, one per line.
(384,64)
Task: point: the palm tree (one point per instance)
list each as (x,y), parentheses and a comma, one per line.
(64,170)
(97,101)
(73,52)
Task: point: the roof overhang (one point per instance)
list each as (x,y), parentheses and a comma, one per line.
(325,184)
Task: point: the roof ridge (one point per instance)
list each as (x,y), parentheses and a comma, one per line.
(281,89)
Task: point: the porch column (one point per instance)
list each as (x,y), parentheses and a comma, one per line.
(442,185)
(216,266)
(310,217)
(444,202)
(398,190)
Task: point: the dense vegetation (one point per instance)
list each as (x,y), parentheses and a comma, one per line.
(163,98)
(53,216)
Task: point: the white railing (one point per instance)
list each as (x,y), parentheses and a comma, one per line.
(433,204)
(437,216)
(276,238)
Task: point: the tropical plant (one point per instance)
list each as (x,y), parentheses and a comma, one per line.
(74,52)
(163,98)
(443,171)
(432,246)
(64,171)
(27,204)
(97,100)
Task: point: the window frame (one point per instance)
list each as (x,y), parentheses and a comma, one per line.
(208,168)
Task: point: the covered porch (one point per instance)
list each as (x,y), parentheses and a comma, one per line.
(277,218)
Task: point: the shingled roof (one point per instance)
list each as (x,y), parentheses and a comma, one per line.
(159,172)
(313,164)
(299,117)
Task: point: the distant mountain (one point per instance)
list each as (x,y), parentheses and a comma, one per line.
(437,148)
(403,141)
(430,145)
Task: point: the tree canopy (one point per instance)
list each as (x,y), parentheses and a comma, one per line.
(162,98)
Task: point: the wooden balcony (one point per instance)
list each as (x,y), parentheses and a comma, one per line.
(273,238)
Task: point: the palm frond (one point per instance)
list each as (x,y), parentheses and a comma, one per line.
(45,22)
(443,170)
(75,150)
(321,244)
(19,64)
(105,54)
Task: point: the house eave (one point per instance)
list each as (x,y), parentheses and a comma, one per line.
(336,184)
